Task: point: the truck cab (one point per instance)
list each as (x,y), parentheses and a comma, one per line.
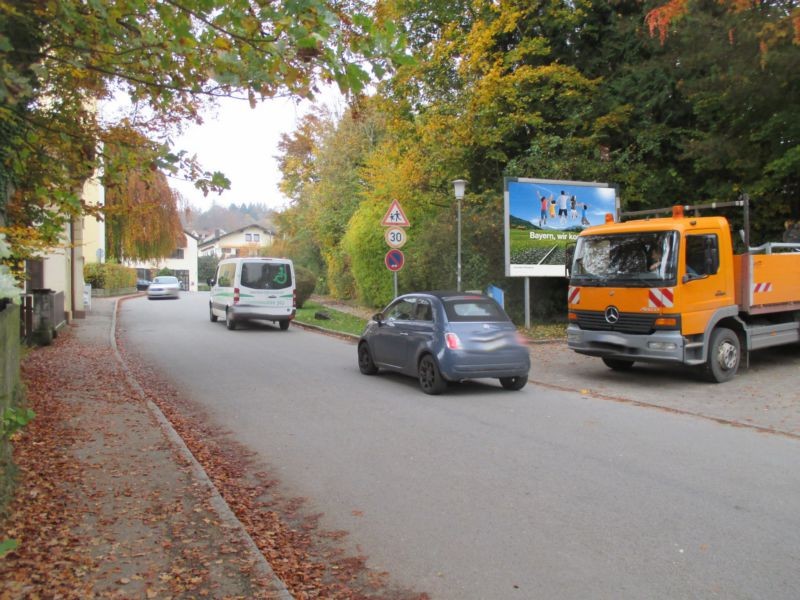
(673,290)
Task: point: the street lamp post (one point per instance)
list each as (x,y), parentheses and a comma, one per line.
(458,186)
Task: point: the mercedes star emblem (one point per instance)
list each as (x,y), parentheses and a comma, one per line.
(612,315)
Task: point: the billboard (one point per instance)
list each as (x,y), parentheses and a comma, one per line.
(542,216)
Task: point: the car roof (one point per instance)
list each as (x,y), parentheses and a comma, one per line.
(449,295)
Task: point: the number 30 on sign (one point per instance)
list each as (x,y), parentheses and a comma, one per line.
(395,237)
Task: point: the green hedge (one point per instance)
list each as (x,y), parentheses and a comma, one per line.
(305,282)
(109,276)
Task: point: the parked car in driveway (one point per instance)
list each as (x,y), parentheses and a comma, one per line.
(441,337)
(142,284)
(164,286)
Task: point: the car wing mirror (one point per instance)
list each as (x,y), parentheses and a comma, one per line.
(378,318)
(210,281)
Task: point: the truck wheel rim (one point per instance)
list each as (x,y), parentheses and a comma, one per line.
(727,355)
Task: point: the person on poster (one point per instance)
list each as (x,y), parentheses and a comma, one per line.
(584,218)
(542,210)
(563,202)
(573,209)
(552,207)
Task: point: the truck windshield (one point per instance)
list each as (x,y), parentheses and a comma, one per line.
(628,259)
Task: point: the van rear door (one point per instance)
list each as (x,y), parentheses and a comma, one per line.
(268,284)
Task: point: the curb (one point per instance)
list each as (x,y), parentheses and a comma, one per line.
(226,515)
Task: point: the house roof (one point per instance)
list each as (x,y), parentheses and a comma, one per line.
(214,240)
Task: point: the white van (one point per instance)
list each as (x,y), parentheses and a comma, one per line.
(253,288)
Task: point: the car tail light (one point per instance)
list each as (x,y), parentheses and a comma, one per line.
(236,295)
(452,341)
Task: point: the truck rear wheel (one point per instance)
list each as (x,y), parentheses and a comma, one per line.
(724,355)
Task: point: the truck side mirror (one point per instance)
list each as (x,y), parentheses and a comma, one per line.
(210,281)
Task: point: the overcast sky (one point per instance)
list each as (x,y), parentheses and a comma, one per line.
(242,142)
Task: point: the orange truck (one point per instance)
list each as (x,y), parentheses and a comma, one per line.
(673,290)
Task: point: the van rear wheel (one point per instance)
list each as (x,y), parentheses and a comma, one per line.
(284,325)
(229,322)
(212,317)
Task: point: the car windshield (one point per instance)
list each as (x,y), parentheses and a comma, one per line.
(628,259)
(474,308)
(266,276)
(165,279)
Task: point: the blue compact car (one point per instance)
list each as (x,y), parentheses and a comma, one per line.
(439,337)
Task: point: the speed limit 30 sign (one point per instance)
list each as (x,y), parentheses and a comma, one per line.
(395,237)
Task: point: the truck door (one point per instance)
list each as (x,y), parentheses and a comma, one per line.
(707,284)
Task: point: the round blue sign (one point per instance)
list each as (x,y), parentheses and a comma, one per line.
(394,260)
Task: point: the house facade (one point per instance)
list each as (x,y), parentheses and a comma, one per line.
(182,262)
(246,241)
(61,269)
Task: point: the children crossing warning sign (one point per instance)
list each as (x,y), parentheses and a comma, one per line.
(395,216)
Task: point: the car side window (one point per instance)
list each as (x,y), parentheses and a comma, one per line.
(402,310)
(424,312)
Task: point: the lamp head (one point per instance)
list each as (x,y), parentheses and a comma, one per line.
(459,185)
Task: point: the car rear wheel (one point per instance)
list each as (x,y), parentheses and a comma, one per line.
(430,379)
(284,325)
(618,364)
(212,317)
(513,383)
(229,322)
(365,363)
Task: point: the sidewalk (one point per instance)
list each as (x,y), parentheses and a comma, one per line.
(111,504)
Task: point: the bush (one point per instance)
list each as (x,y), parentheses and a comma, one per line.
(305,282)
(109,276)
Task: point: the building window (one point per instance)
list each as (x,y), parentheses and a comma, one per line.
(178,254)
(248,237)
(256,237)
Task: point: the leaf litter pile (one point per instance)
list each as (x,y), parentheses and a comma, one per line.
(107,508)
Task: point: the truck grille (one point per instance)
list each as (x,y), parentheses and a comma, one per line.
(628,322)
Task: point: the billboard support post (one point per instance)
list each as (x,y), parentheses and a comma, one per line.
(527,303)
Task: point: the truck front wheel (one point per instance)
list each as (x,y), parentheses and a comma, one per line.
(724,354)
(618,364)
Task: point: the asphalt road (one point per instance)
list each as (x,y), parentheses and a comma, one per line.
(483,493)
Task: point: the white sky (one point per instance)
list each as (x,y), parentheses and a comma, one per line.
(242,143)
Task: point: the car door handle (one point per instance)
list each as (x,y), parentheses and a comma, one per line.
(403,333)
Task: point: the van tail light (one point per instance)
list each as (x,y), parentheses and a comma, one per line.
(236,295)
(294,298)
(452,341)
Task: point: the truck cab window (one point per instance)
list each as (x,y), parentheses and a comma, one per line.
(702,255)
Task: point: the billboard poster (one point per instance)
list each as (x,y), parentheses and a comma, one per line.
(543,216)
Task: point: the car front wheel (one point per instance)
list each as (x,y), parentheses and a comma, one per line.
(365,363)
(430,379)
